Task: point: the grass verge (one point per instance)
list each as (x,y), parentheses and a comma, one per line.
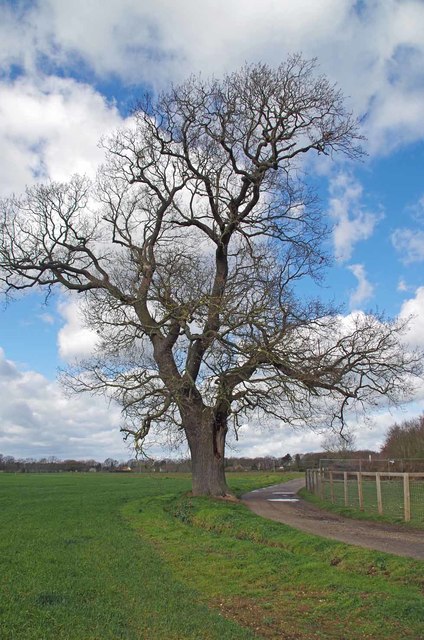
(279,582)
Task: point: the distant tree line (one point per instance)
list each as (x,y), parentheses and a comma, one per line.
(48,464)
(404,441)
(53,464)
(297,462)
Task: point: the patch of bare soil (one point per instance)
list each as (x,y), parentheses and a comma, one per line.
(291,615)
(270,624)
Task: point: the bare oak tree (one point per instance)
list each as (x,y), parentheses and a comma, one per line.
(186,250)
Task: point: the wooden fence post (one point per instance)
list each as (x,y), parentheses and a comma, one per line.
(406,497)
(321,483)
(360,492)
(379,498)
(331,487)
(346,492)
(315,482)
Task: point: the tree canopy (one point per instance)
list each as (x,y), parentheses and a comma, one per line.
(187,249)
(405,440)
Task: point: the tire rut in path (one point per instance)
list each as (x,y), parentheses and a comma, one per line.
(280,503)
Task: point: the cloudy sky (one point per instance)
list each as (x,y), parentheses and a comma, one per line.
(69,74)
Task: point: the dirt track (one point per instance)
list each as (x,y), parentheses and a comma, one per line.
(281,503)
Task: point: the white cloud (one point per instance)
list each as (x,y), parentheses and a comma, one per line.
(410,244)
(36,419)
(258,441)
(75,340)
(364,290)
(50,129)
(47,318)
(157,41)
(370,434)
(374,436)
(375,50)
(353,223)
(414,309)
(402,286)
(409,241)
(417,210)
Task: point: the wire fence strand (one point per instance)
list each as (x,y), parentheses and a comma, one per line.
(397,496)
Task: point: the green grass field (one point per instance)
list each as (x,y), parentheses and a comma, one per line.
(98,557)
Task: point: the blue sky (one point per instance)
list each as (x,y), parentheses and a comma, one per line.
(70,73)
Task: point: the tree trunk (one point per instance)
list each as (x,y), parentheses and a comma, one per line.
(206,440)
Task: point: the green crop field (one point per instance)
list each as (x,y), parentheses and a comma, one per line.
(110,557)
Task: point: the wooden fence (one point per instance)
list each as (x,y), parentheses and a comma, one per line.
(398,495)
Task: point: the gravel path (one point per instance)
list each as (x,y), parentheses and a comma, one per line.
(281,503)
